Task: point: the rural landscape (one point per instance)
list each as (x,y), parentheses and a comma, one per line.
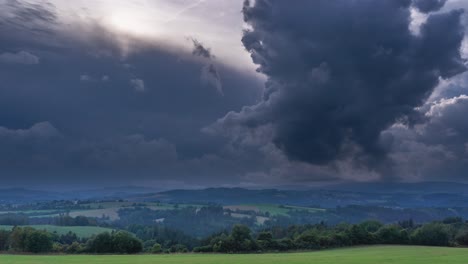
(199,226)
(234,131)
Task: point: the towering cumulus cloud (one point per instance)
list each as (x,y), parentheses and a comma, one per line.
(341,72)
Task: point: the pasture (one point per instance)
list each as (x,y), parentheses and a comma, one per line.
(357,255)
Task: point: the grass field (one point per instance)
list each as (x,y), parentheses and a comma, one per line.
(81,231)
(360,255)
(98,209)
(273,209)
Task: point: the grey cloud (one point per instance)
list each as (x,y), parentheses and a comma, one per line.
(334,85)
(209,74)
(200,50)
(133,152)
(330,103)
(28,148)
(42,130)
(21,57)
(435,149)
(25,20)
(95,116)
(85,78)
(138,85)
(427,6)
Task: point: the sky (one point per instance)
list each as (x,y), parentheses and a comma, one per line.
(199,93)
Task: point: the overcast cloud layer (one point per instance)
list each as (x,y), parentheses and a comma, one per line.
(355,90)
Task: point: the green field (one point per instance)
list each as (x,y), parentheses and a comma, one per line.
(80,231)
(359,255)
(98,209)
(273,209)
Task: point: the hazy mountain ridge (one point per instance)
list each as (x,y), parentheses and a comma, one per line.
(427,194)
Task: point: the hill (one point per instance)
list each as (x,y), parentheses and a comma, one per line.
(324,198)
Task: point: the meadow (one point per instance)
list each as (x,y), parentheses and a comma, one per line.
(356,255)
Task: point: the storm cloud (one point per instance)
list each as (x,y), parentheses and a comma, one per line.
(341,72)
(120,104)
(359,90)
(427,6)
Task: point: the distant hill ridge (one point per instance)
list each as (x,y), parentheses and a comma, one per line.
(379,194)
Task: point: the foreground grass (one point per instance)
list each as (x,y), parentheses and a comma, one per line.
(359,255)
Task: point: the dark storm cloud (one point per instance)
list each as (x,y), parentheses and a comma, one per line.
(79,102)
(427,6)
(120,105)
(436,149)
(341,72)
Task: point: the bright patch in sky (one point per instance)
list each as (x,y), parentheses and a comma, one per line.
(217,24)
(127,22)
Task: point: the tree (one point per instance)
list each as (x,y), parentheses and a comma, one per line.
(359,236)
(392,234)
(120,242)
(38,241)
(30,240)
(241,239)
(265,240)
(101,243)
(68,238)
(462,238)
(4,235)
(74,248)
(240,233)
(307,240)
(265,236)
(371,226)
(124,242)
(433,234)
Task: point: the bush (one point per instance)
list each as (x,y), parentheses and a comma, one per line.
(203,249)
(156,249)
(179,248)
(75,248)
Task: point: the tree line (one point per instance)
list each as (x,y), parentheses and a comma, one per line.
(30,240)
(449,232)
